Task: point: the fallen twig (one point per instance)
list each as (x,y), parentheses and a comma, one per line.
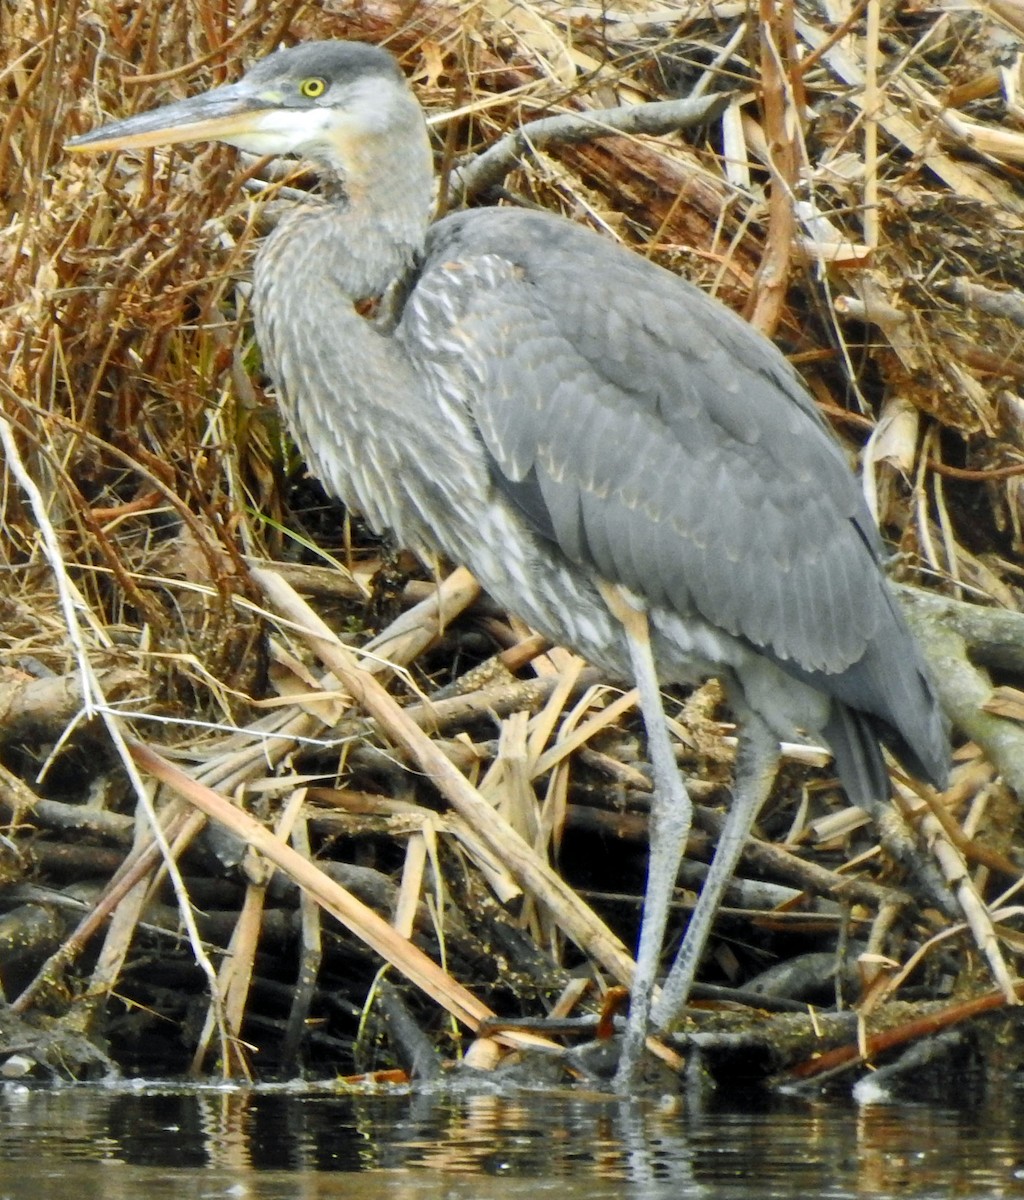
(660,117)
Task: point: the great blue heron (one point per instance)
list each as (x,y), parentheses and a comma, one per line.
(619,459)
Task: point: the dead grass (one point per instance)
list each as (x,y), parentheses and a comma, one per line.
(868,212)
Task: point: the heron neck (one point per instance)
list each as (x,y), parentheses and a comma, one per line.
(380,195)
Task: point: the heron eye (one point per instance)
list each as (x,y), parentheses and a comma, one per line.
(313,88)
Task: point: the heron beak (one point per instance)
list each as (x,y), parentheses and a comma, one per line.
(228,114)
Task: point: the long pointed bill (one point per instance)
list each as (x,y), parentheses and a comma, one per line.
(228,114)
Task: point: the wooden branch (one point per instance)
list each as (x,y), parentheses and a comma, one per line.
(577,920)
(951,634)
(659,117)
(352,913)
(781,122)
(1008,304)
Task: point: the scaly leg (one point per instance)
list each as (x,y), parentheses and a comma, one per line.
(757,763)
(671,814)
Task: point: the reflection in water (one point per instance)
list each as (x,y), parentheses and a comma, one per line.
(151,1142)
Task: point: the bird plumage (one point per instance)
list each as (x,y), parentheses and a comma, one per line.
(652,437)
(602,419)
(588,433)
(612,423)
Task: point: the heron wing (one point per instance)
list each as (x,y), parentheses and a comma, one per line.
(651,434)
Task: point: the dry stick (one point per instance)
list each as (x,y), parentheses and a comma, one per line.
(660,117)
(971,784)
(352,913)
(780,110)
(126,916)
(234,979)
(993,637)
(239,964)
(414,630)
(266,741)
(311,954)
(957,876)
(1008,304)
(582,734)
(952,641)
(411,887)
(577,919)
(872,103)
(841,30)
(400,643)
(72,602)
(778,863)
(966,179)
(41,709)
(877,1043)
(182,827)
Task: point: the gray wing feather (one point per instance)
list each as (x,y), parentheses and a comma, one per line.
(648,432)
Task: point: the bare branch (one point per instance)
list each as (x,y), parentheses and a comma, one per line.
(659,117)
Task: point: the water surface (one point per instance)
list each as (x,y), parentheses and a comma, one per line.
(154,1141)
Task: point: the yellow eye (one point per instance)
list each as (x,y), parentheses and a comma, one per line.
(313,88)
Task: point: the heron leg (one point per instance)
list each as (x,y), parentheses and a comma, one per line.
(671,815)
(757,762)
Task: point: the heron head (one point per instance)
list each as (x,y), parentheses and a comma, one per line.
(320,100)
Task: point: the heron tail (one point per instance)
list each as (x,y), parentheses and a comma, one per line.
(853,740)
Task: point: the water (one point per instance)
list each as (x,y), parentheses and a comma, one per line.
(142,1142)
